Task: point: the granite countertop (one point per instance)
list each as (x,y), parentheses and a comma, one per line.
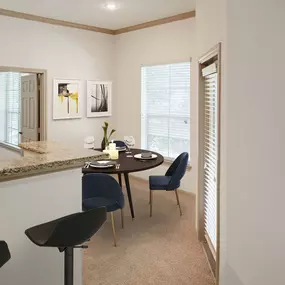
(43,157)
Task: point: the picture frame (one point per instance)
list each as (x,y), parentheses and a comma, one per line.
(67,99)
(99,98)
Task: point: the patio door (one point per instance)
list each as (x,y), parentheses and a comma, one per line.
(209,155)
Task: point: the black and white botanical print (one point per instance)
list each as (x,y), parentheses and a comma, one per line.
(99,98)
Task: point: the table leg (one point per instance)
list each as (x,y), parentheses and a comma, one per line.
(126,175)
(120,179)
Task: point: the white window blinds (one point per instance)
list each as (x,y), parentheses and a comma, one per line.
(166,108)
(10,90)
(210,158)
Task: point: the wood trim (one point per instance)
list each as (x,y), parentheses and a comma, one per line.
(21,69)
(30,17)
(51,21)
(211,260)
(43,106)
(179,17)
(211,247)
(215,51)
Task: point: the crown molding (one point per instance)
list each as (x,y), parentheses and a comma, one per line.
(158,22)
(30,17)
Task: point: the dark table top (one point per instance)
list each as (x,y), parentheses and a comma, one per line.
(128,164)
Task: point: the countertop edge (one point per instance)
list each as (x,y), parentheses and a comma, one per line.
(45,168)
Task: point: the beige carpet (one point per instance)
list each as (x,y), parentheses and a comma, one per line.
(160,250)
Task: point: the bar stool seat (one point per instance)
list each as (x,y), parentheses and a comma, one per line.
(4,253)
(68,233)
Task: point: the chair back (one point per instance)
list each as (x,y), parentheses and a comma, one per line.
(78,228)
(100,185)
(120,143)
(177,170)
(70,230)
(4,253)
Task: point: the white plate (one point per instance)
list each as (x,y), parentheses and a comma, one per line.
(102,164)
(121,148)
(139,156)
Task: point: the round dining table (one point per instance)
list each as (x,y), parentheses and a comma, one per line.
(126,164)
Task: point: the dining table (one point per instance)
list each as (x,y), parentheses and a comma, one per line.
(125,164)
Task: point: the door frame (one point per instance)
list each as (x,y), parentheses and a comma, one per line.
(43,92)
(215,52)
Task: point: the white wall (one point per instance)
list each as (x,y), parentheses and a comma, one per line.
(65,53)
(31,201)
(174,42)
(255,142)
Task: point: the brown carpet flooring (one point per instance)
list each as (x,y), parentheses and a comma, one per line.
(160,250)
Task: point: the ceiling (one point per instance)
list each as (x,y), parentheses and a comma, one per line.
(91,12)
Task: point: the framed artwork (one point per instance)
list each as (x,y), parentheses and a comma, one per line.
(66,99)
(99,98)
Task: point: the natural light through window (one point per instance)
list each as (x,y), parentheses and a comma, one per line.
(166,109)
(10,89)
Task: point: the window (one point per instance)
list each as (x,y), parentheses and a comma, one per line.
(166,109)
(10,89)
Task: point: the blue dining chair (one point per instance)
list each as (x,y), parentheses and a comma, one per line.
(120,143)
(171,180)
(103,190)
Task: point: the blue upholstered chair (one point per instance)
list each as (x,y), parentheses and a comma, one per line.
(171,180)
(102,190)
(120,143)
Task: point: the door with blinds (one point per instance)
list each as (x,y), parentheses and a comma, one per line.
(209,155)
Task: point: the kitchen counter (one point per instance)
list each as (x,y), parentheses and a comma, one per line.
(45,157)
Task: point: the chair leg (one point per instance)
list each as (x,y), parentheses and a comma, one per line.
(120,179)
(176,198)
(122,217)
(151,202)
(113,228)
(178,202)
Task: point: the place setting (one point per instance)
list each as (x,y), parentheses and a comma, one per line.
(145,156)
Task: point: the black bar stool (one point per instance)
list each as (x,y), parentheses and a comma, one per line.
(68,233)
(4,253)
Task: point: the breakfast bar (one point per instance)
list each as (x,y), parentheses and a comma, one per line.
(42,185)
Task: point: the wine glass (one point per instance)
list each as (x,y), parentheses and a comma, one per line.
(130,142)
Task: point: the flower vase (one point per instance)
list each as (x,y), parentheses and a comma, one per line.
(103,144)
